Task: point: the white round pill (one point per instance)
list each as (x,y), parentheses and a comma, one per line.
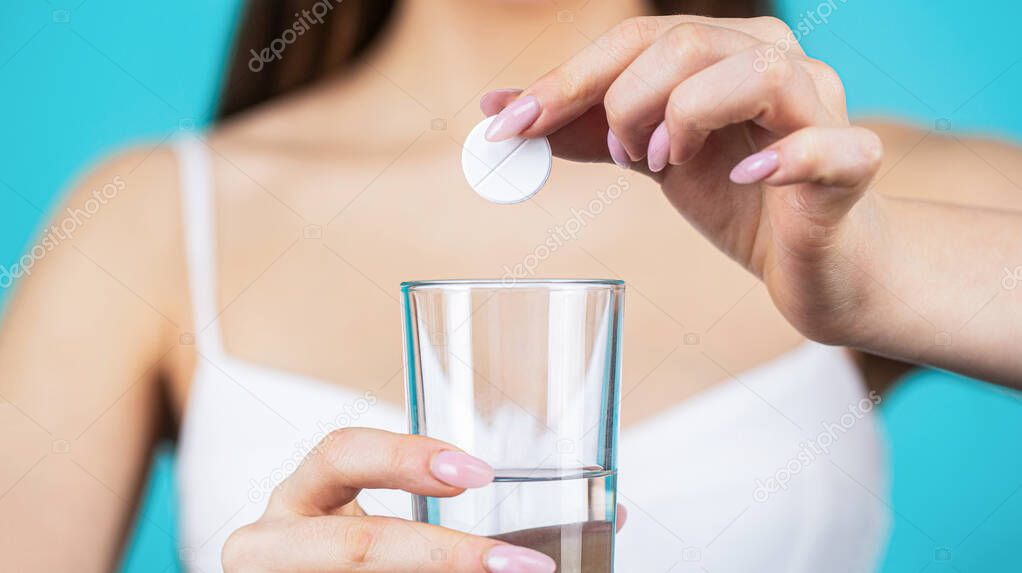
(508,171)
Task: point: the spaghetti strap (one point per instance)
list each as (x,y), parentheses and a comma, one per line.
(199,226)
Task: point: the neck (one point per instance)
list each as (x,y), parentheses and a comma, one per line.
(435,61)
(446,53)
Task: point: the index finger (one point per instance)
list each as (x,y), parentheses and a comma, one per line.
(352,459)
(568,91)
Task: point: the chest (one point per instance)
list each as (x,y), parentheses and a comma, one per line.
(308,273)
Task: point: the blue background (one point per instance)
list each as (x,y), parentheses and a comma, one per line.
(83,78)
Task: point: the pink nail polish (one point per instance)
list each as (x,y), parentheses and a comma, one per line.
(622,516)
(490,102)
(461,470)
(659,148)
(511,559)
(514,119)
(755,167)
(617,151)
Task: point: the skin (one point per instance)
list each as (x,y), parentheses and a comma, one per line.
(833,255)
(91,346)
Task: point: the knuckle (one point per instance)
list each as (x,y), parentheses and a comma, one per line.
(620,40)
(279,495)
(873,150)
(802,155)
(774,27)
(827,78)
(836,86)
(678,113)
(234,553)
(571,86)
(636,31)
(827,73)
(688,41)
(336,445)
(360,539)
(400,460)
(779,74)
(342,435)
(614,106)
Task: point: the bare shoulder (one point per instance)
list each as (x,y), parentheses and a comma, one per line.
(108,264)
(140,181)
(124,216)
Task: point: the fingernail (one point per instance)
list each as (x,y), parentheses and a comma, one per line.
(461,470)
(659,148)
(755,167)
(511,559)
(617,151)
(490,102)
(514,118)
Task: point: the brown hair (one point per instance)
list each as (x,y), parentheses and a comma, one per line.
(325,35)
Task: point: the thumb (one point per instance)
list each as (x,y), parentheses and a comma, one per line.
(583,139)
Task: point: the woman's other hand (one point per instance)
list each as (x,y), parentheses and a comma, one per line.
(314,523)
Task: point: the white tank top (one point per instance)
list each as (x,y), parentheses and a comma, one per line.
(779,469)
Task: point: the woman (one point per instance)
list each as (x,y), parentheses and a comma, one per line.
(265,323)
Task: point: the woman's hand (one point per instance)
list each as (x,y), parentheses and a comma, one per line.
(748,137)
(314,523)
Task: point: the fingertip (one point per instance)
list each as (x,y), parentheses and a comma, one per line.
(515,559)
(494,101)
(514,119)
(755,167)
(687,140)
(659,148)
(617,151)
(461,470)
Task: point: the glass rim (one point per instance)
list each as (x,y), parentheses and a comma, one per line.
(511,283)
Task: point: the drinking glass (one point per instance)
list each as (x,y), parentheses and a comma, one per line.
(525,375)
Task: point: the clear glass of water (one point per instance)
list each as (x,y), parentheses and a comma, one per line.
(526,376)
